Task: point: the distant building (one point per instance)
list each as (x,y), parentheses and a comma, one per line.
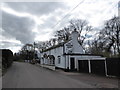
(70,56)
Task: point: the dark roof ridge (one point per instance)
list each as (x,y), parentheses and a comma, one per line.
(82,54)
(56,46)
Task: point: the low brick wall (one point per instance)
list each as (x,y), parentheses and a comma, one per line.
(48,66)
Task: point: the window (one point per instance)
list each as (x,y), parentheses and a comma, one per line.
(53,62)
(59,60)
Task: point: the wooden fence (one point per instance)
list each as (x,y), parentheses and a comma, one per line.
(113,66)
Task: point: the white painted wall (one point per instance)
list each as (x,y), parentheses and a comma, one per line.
(38,54)
(55,52)
(70,45)
(75,46)
(85,57)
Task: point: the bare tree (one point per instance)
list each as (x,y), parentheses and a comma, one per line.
(53,41)
(108,42)
(27,52)
(82,27)
(111,35)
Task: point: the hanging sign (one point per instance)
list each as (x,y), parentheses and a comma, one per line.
(69,45)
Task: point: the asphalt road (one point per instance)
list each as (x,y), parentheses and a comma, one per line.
(25,75)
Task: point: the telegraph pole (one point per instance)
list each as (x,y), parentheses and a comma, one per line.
(119,9)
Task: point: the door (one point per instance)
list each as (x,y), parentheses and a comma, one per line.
(98,67)
(83,66)
(72,63)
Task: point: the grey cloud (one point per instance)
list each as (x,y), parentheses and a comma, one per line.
(0,18)
(48,23)
(9,44)
(36,8)
(18,27)
(52,21)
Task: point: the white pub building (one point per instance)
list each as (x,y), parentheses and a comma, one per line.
(70,56)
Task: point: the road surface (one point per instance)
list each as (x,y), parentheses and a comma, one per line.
(25,75)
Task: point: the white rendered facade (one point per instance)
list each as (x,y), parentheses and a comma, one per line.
(66,55)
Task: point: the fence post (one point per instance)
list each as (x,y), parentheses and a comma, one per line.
(89,66)
(106,68)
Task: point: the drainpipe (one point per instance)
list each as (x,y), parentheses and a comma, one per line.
(68,62)
(65,61)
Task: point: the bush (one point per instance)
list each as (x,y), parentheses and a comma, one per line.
(7,58)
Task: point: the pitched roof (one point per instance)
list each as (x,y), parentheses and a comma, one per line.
(56,46)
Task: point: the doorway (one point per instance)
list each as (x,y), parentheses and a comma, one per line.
(72,63)
(83,66)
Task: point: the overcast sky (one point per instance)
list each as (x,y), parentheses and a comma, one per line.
(26,22)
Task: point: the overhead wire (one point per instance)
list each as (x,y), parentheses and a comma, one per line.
(68,13)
